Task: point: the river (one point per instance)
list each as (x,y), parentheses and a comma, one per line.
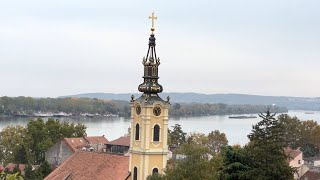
(235,129)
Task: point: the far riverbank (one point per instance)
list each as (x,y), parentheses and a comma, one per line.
(114,127)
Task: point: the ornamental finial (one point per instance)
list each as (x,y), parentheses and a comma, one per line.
(152,17)
(151,63)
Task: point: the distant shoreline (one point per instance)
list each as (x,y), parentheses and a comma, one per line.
(232,116)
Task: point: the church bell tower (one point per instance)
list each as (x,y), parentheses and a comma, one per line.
(149,125)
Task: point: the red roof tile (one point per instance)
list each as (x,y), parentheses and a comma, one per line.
(84,165)
(292,153)
(75,143)
(311,175)
(122,141)
(96,139)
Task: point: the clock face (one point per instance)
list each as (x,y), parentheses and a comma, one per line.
(138,109)
(157,111)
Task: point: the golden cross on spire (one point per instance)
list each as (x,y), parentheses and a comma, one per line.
(152,20)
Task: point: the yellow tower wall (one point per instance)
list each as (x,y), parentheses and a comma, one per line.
(145,154)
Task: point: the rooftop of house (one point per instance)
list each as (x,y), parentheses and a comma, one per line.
(311,175)
(122,141)
(96,139)
(292,153)
(77,143)
(90,165)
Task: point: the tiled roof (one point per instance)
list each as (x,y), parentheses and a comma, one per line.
(96,139)
(122,141)
(1,167)
(292,153)
(84,165)
(311,175)
(75,143)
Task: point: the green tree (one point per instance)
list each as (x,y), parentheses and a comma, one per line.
(304,134)
(197,138)
(156,176)
(195,163)
(39,139)
(16,176)
(291,130)
(310,134)
(28,173)
(236,163)
(11,138)
(309,150)
(38,174)
(177,136)
(42,135)
(45,169)
(216,140)
(266,148)
(21,155)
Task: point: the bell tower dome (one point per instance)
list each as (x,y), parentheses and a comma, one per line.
(149,124)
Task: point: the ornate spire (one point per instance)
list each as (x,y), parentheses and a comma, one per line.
(151,63)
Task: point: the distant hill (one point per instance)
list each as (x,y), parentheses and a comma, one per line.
(292,103)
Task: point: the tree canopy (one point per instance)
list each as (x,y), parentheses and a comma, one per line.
(204,156)
(266,149)
(176,136)
(27,145)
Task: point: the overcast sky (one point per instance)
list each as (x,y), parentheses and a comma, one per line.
(62,47)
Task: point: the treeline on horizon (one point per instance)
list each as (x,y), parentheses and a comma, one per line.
(199,109)
(11,106)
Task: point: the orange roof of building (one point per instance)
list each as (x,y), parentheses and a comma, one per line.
(96,139)
(311,175)
(84,165)
(292,153)
(75,143)
(122,141)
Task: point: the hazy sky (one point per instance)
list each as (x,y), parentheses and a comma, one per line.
(62,47)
